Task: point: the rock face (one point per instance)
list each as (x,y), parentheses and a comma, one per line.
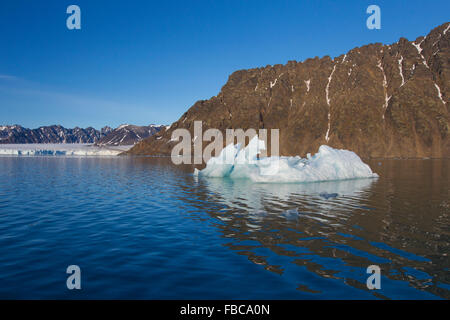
(128,134)
(49,134)
(376,100)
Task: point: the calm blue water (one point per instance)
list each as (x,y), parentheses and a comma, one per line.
(142,228)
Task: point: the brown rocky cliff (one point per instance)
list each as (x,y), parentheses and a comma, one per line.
(377,100)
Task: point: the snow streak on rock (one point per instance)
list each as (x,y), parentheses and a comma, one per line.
(446,29)
(400,67)
(386,98)
(439,93)
(273,83)
(419,49)
(327,89)
(307,82)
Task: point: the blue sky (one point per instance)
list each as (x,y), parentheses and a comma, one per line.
(145,62)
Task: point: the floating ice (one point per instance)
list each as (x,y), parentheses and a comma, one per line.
(61,149)
(327,164)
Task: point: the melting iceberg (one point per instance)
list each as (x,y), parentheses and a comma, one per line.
(327,164)
(60,149)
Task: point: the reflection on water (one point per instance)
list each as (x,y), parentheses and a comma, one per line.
(239,194)
(337,229)
(143,228)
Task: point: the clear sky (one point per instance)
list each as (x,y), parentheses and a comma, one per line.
(145,62)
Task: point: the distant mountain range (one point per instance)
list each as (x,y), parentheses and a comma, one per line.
(128,134)
(123,135)
(376,100)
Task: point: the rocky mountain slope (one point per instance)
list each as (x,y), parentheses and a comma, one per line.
(377,100)
(50,134)
(128,134)
(123,135)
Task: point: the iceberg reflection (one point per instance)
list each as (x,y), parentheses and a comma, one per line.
(250,196)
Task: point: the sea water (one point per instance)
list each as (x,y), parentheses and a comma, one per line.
(144,228)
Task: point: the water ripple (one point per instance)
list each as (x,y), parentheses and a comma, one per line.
(143,228)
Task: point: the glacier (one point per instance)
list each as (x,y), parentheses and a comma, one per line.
(60,149)
(328,164)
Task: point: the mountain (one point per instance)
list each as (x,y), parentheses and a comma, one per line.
(376,100)
(49,134)
(128,134)
(123,135)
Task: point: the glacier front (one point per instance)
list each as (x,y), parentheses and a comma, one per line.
(327,164)
(60,149)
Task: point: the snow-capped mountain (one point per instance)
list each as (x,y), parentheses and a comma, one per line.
(123,135)
(50,134)
(128,134)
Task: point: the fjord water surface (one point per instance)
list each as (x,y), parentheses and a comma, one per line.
(143,228)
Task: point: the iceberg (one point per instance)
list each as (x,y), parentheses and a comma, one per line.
(61,149)
(328,164)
